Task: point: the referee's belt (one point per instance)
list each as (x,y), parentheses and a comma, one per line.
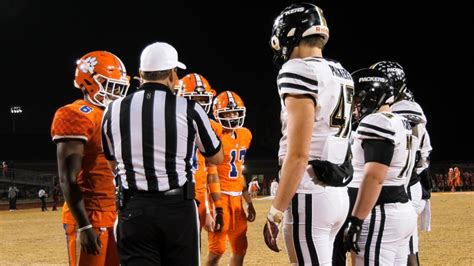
(154,194)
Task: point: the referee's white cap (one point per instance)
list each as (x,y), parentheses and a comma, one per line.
(159,56)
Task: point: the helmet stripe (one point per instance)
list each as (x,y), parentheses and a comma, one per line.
(199,83)
(231,99)
(321,18)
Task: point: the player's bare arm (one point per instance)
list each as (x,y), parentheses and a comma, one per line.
(370,189)
(216,158)
(70,153)
(251,213)
(215,191)
(210,223)
(213,184)
(300,127)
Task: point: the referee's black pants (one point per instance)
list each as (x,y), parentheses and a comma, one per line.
(158,230)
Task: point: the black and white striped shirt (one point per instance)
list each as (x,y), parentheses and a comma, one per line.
(151,134)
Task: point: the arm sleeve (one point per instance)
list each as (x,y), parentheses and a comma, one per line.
(379,151)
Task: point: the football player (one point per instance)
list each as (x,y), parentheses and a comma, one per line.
(229,111)
(406,106)
(316,97)
(383,218)
(89,212)
(195,87)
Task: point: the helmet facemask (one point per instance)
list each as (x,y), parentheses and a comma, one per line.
(225,118)
(109,90)
(408,95)
(204,99)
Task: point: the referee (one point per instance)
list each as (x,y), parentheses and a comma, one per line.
(149,136)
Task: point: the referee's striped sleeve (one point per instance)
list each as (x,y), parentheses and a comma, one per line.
(376,126)
(107,138)
(297,77)
(206,140)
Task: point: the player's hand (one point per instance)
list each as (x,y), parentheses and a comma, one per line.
(210,223)
(251,213)
(272,229)
(352,234)
(219,220)
(90,242)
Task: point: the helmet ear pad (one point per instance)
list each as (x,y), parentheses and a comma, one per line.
(295,22)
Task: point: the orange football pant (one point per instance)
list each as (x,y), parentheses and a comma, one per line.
(235,227)
(108,255)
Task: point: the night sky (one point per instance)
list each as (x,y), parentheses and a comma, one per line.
(229,45)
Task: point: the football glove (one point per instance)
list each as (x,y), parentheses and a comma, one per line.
(272,229)
(352,234)
(219,220)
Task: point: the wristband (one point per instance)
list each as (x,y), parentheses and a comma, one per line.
(211,170)
(214,187)
(275,215)
(84,228)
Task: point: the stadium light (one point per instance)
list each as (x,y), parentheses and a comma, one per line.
(15,110)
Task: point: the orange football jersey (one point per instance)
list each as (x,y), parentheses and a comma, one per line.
(230,170)
(82,120)
(199,162)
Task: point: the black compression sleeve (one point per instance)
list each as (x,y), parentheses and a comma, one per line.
(379,151)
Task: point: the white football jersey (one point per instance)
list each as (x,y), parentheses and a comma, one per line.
(409,108)
(425,149)
(392,128)
(331,87)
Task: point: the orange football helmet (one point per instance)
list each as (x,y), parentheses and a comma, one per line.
(229,110)
(195,87)
(102,77)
